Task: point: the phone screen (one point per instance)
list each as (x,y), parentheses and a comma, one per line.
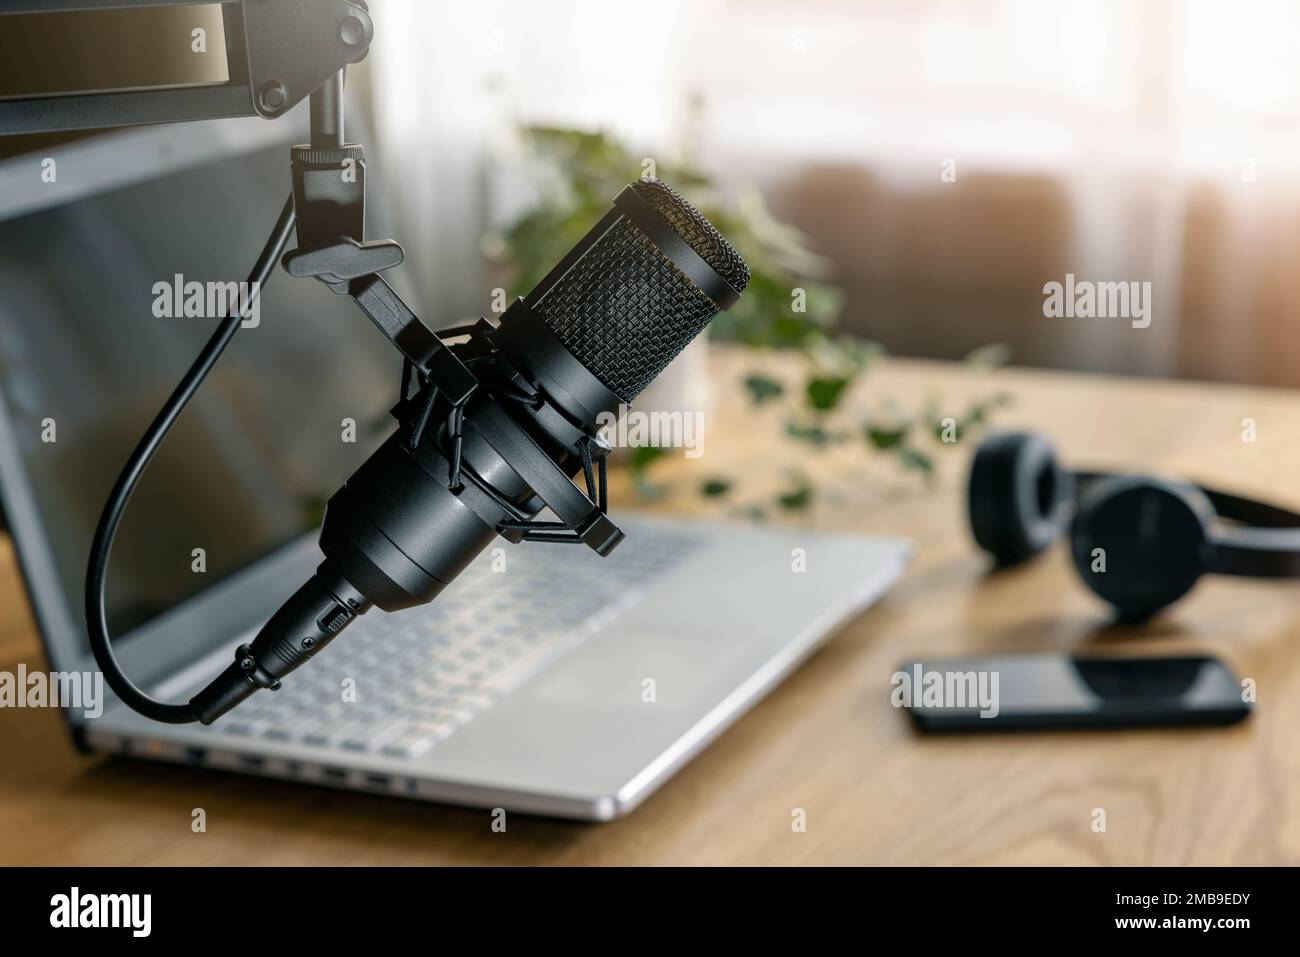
(1044,691)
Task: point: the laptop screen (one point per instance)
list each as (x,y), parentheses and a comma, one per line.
(86,361)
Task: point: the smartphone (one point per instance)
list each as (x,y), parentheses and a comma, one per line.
(1052,691)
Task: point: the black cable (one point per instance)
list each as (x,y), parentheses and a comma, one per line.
(97,570)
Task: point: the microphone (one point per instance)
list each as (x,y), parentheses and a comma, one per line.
(480,455)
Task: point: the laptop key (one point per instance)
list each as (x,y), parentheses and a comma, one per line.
(472,701)
(387,733)
(409,745)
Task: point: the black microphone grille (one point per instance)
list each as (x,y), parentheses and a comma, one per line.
(698,232)
(627,306)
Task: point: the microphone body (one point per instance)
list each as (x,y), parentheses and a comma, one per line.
(593,333)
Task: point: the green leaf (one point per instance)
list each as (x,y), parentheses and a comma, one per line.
(715,487)
(860,352)
(824,392)
(823,303)
(815,434)
(796,499)
(887,437)
(643,456)
(916,460)
(762,388)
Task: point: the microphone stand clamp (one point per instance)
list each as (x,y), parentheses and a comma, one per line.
(329,194)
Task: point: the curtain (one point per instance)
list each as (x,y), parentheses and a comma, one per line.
(1117,140)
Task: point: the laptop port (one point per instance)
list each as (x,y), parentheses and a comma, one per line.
(196,755)
(379,780)
(338,774)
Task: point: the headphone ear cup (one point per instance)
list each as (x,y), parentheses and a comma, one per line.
(1141,543)
(1015,494)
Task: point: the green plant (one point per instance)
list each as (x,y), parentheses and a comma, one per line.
(789,304)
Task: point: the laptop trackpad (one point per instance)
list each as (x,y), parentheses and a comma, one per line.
(638,669)
(693,646)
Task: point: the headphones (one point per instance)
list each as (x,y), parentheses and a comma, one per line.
(1138,542)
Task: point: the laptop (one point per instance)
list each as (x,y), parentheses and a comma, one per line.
(544,680)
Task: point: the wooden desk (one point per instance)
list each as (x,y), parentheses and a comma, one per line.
(827,741)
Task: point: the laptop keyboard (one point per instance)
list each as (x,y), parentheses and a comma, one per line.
(397,684)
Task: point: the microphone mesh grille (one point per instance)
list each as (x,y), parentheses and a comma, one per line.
(700,234)
(625,311)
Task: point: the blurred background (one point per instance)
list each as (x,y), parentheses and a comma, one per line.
(904,177)
(946,158)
